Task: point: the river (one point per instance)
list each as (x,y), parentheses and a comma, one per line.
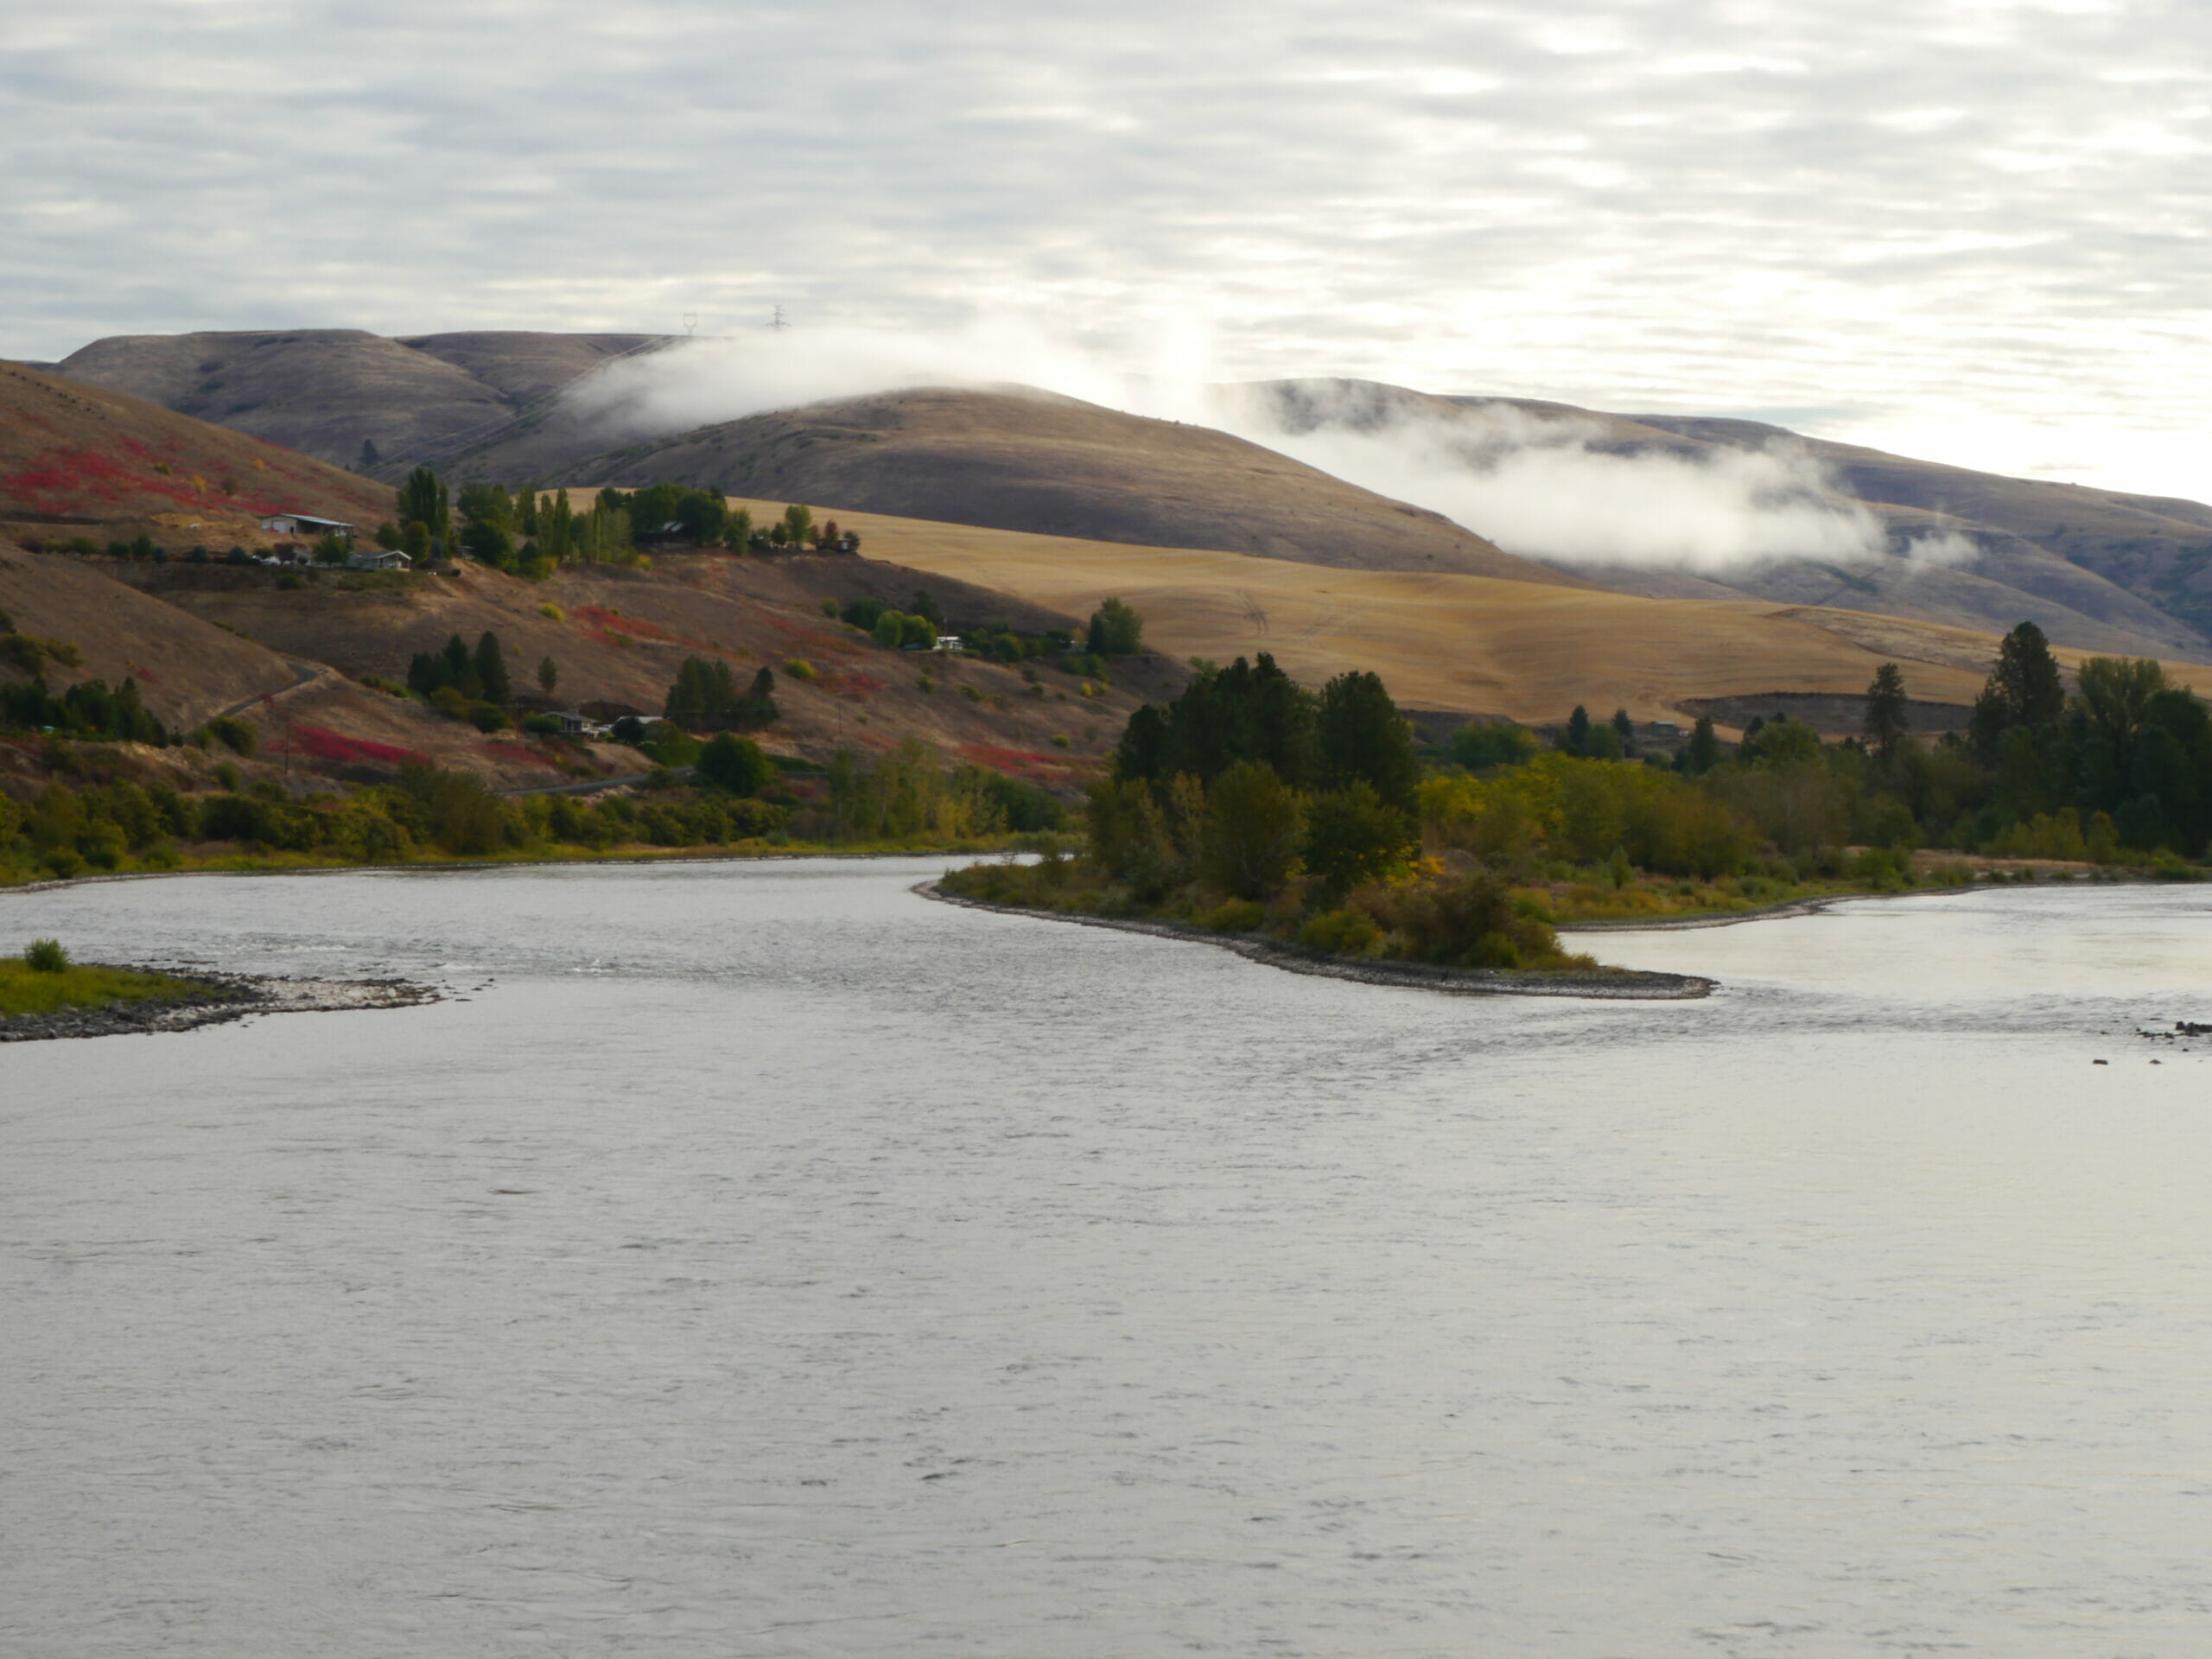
(757,1259)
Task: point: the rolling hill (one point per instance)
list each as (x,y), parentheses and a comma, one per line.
(2097,569)
(1471,644)
(77,454)
(2092,568)
(325,391)
(1029,460)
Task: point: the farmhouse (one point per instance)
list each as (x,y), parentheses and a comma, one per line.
(379,558)
(301,524)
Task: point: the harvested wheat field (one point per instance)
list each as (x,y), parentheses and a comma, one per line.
(1473,644)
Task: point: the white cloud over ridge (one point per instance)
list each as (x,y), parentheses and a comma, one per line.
(1982,221)
(1545,487)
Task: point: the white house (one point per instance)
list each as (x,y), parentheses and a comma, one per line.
(301,524)
(378,558)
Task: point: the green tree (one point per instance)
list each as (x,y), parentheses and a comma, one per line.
(491,671)
(890,629)
(1702,753)
(758,707)
(2023,689)
(1255,825)
(389,537)
(369,458)
(1482,744)
(1361,737)
(1888,714)
(488,542)
(331,549)
(798,524)
(1116,631)
(1624,730)
(1353,837)
(549,675)
(1576,738)
(737,529)
(415,541)
(422,501)
(735,764)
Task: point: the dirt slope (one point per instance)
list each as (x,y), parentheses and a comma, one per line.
(72,454)
(1471,645)
(1027,461)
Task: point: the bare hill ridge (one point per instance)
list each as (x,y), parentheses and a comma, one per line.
(325,391)
(2096,568)
(1030,461)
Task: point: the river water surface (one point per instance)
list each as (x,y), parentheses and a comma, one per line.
(757,1259)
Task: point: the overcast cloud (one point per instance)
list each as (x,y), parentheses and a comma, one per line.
(1972,231)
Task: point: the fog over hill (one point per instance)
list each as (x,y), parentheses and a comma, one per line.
(1391,478)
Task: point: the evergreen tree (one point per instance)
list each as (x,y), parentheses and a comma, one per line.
(549,675)
(1625,728)
(1888,714)
(1362,738)
(461,668)
(370,458)
(1702,753)
(1116,631)
(2023,689)
(758,706)
(422,501)
(491,671)
(1576,739)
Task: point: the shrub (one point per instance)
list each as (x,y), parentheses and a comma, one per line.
(1236,916)
(799,669)
(45,956)
(234,735)
(552,613)
(736,763)
(1470,923)
(1342,933)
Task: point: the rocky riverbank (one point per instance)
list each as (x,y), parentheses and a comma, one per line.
(1611,984)
(215,999)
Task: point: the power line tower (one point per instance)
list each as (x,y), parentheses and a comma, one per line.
(776,324)
(690,324)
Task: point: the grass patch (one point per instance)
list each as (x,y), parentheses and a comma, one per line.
(25,989)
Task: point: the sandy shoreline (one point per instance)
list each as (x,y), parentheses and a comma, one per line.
(219,999)
(1626,985)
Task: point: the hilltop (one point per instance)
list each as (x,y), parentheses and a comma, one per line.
(327,392)
(1031,461)
(2095,568)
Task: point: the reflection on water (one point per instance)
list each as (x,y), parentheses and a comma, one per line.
(763,1261)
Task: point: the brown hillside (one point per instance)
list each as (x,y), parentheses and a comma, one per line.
(325,391)
(72,454)
(2028,540)
(1468,644)
(619,637)
(1051,466)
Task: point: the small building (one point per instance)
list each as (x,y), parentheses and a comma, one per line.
(948,642)
(573,724)
(378,558)
(301,524)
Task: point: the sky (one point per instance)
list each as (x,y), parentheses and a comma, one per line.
(1974,231)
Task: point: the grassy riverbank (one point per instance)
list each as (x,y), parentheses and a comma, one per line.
(28,990)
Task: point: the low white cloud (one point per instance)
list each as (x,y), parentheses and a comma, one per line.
(1541,486)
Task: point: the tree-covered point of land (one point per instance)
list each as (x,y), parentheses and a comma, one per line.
(1249,802)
